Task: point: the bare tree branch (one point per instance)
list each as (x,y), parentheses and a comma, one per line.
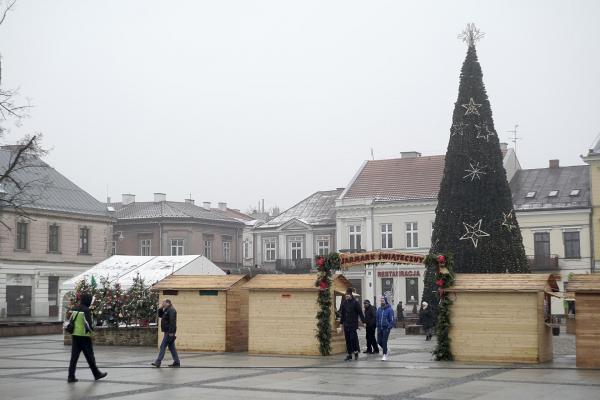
(6,10)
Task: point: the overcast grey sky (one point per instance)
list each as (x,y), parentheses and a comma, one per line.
(241,100)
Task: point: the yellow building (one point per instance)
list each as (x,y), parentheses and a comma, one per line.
(593,159)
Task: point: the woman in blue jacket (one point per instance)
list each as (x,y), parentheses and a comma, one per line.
(385,323)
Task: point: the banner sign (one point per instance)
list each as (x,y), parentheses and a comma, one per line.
(379,257)
(402,272)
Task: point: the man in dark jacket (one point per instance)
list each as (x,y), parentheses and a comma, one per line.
(350,312)
(371,324)
(168,325)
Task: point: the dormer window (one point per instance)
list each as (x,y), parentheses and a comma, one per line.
(553,193)
(530,195)
(575,192)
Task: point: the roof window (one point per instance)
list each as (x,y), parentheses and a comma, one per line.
(530,195)
(553,193)
(575,192)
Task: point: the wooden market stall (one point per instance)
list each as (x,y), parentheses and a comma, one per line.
(502,317)
(587,321)
(282,314)
(212,311)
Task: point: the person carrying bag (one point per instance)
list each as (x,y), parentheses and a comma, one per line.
(80,327)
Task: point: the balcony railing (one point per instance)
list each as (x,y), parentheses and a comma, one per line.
(299,266)
(543,263)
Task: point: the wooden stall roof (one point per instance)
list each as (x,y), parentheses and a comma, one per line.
(304,282)
(580,283)
(505,283)
(192,282)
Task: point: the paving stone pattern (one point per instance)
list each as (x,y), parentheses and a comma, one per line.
(35,367)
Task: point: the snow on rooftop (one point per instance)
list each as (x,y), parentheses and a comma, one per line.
(111,268)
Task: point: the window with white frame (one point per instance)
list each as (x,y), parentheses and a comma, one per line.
(145,247)
(270,250)
(412,235)
(296,247)
(386,236)
(177,248)
(355,237)
(322,245)
(247,249)
(226,251)
(84,240)
(572,245)
(113,248)
(208,249)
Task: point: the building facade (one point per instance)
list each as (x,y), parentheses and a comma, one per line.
(162,227)
(390,205)
(290,241)
(592,158)
(554,212)
(65,232)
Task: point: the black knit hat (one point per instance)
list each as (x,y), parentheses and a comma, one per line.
(350,291)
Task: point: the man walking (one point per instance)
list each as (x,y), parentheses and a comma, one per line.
(371,324)
(168,325)
(350,312)
(385,323)
(81,339)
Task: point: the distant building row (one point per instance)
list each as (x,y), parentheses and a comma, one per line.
(389,204)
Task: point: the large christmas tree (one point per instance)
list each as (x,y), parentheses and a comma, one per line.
(475,222)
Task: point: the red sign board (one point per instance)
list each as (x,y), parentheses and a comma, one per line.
(379,257)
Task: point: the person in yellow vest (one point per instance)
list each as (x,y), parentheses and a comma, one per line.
(81,339)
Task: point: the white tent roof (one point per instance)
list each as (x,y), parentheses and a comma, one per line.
(111,268)
(124,269)
(160,267)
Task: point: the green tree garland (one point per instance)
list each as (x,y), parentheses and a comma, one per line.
(444,277)
(326,266)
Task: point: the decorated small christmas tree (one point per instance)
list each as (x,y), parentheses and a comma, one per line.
(141,303)
(475,222)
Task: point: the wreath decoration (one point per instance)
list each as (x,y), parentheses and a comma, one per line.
(326,266)
(444,278)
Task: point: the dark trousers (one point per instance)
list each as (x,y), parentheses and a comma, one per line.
(169,342)
(382,337)
(351,337)
(371,341)
(82,344)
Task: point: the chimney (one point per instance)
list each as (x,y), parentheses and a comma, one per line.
(189,201)
(158,197)
(222,206)
(554,164)
(108,199)
(409,154)
(206,205)
(128,198)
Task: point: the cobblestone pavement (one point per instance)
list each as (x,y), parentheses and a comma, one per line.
(35,367)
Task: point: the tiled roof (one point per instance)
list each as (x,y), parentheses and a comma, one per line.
(49,190)
(398,179)
(235,214)
(168,210)
(317,209)
(540,182)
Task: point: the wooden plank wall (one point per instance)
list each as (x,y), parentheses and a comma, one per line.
(282,325)
(587,331)
(200,320)
(545,339)
(237,318)
(495,327)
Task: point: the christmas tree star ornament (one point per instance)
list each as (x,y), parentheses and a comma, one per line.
(485,133)
(471,107)
(474,233)
(471,34)
(508,220)
(458,129)
(474,171)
